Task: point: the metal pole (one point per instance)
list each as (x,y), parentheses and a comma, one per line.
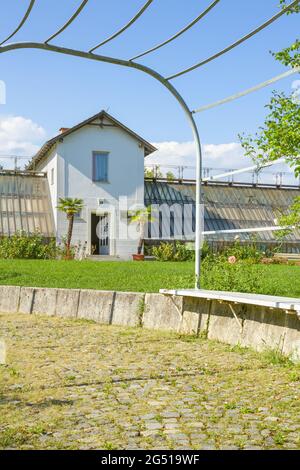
(198,234)
(247,92)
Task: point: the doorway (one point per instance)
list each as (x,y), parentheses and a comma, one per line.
(100,234)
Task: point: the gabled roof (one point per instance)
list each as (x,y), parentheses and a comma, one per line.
(149,148)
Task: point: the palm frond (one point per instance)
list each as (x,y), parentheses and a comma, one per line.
(70,205)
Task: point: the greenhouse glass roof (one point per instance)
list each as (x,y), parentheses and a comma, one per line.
(25,204)
(230,207)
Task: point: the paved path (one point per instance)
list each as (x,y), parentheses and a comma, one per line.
(75,384)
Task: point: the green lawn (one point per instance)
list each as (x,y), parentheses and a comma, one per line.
(130,276)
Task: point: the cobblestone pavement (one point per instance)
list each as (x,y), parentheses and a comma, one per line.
(79,385)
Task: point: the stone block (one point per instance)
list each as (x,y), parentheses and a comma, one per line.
(264,328)
(223,326)
(26,300)
(67,302)
(96,305)
(162,312)
(44,301)
(291,345)
(195,315)
(128,308)
(9,299)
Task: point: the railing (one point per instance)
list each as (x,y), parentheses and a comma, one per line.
(181,173)
(17,172)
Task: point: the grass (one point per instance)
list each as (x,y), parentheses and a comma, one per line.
(276,357)
(130,276)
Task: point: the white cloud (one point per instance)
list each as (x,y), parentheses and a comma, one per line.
(220,156)
(224,155)
(19,136)
(229,155)
(296,91)
(296,85)
(2,92)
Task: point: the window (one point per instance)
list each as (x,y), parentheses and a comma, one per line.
(52,176)
(100,166)
(78,215)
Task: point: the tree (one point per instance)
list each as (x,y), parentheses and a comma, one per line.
(295,9)
(280,134)
(292,219)
(170,176)
(141,217)
(70,207)
(153,173)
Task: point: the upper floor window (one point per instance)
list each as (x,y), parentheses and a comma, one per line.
(100,166)
(78,215)
(52,175)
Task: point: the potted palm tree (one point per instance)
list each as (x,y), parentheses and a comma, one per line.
(141,217)
(69,206)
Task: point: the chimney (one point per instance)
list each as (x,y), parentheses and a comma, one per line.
(63,129)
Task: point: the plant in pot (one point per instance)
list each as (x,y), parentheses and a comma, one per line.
(141,217)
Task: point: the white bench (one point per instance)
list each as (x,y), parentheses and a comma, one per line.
(270,301)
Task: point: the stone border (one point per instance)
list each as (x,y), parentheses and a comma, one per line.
(245,325)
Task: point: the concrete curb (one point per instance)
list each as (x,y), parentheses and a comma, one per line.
(245,325)
(96,305)
(162,313)
(128,309)
(26,300)
(9,299)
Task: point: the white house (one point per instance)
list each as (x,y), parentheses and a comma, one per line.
(102,162)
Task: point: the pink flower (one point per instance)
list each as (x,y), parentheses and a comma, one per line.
(232,259)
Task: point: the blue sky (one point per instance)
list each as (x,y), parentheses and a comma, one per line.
(54,91)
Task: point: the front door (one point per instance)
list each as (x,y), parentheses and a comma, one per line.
(103,233)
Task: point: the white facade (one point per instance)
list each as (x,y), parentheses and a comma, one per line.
(69,168)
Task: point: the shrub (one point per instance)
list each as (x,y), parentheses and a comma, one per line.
(244,252)
(172,252)
(24,246)
(182,252)
(163,252)
(205,250)
(242,276)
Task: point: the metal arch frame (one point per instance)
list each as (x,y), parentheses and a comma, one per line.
(179,33)
(23,20)
(70,20)
(127,25)
(246,92)
(157,76)
(236,43)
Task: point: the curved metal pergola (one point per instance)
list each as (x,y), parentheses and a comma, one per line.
(22,22)
(165,81)
(236,43)
(70,20)
(126,26)
(179,33)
